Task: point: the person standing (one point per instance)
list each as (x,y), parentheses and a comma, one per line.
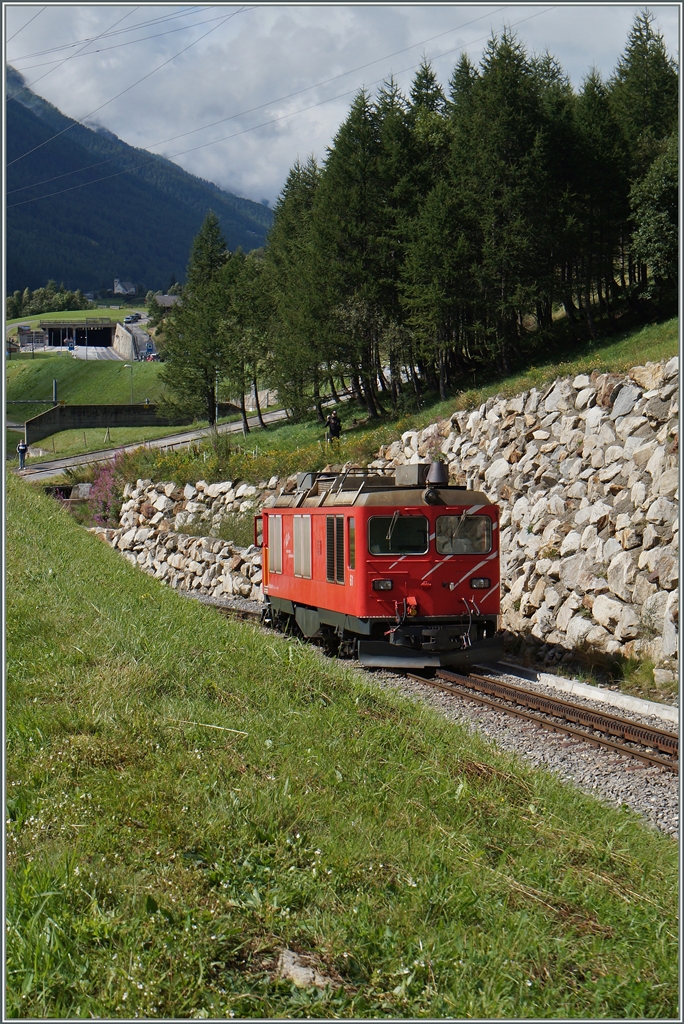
(334,426)
(22,448)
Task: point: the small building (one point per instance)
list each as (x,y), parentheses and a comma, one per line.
(167,301)
(27,335)
(124,287)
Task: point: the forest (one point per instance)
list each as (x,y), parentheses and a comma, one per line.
(447,233)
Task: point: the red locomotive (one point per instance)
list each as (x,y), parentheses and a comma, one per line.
(401,570)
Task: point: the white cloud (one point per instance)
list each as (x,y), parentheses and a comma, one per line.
(262,54)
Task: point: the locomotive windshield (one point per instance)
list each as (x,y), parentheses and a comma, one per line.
(398,535)
(464,535)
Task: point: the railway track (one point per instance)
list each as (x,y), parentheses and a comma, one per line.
(595,727)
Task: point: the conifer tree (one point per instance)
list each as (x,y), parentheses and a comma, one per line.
(644,92)
(348,227)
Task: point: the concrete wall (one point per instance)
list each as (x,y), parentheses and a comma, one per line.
(124,344)
(83,417)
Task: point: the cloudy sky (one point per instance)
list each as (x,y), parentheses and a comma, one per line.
(235,94)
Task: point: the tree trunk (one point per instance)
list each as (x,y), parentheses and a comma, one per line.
(367,392)
(210,399)
(442,379)
(356,390)
(258,406)
(333,390)
(243,410)
(590,316)
(317,401)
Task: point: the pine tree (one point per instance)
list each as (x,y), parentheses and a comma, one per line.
(298,318)
(195,356)
(207,255)
(347,228)
(655,210)
(644,92)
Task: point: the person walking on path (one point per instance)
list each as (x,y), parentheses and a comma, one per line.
(334,426)
(22,448)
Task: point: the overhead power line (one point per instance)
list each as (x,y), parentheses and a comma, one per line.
(263,124)
(280,99)
(26,24)
(36,80)
(133,28)
(128,88)
(128,42)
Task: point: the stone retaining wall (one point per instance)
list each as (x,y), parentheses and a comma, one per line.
(586,474)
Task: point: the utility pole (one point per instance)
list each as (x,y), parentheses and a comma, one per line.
(216,402)
(131,369)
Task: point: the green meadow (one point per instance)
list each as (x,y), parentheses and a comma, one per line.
(188,796)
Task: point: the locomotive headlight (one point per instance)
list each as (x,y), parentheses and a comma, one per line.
(382,584)
(480,583)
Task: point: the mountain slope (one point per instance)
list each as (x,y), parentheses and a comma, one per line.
(123,212)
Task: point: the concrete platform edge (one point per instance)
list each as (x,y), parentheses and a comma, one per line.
(618,700)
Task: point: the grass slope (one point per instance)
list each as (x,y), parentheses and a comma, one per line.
(158,859)
(79,382)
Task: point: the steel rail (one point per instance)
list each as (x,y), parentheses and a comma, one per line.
(636,732)
(464,688)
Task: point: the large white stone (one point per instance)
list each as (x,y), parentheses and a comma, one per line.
(621,575)
(497,472)
(566,611)
(571,568)
(607,611)
(571,543)
(662,511)
(593,418)
(628,626)
(577,630)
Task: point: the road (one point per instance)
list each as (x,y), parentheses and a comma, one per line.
(55,467)
(94,352)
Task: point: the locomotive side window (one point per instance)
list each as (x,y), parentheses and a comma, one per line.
(464,535)
(352,543)
(334,549)
(397,535)
(302,546)
(275,543)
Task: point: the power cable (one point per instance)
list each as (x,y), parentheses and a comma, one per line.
(128,88)
(35,81)
(26,24)
(280,99)
(141,24)
(263,124)
(128,42)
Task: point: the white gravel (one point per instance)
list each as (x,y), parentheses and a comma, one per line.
(651,792)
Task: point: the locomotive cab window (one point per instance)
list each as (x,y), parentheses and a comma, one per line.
(463,535)
(398,535)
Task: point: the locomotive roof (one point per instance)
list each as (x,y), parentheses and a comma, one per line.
(345,490)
